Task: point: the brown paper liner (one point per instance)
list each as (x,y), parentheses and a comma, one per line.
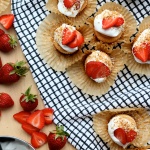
(134,66)
(77,75)
(129,29)
(3,5)
(44,39)
(89,9)
(141,117)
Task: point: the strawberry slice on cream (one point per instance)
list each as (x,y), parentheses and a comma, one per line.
(141,48)
(68,38)
(70,8)
(98,66)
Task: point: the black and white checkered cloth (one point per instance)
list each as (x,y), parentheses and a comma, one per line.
(72,108)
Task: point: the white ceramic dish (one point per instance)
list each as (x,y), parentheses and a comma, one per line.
(11,143)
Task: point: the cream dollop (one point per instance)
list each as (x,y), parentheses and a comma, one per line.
(123,121)
(111,32)
(70,12)
(58,37)
(143,38)
(100,57)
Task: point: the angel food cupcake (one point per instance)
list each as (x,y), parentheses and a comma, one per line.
(96,72)
(79,10)
(67,39)
(126,128)
(139,51)
(110,24)
(98,66)
(122,129)
(60,41)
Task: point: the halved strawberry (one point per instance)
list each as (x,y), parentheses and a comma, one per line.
(131,135)
(68,36)
(38,139)
(69,3)
(109,22)
(21,116)
(119,22)
(48,115)
(142,52)
(7,20)
(29,128)
(96,69)
(78,40)
(37,119)
(120,134)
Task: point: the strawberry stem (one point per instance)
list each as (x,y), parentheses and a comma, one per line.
(19,68)
(12,41)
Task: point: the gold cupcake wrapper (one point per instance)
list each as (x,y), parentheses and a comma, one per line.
(141,117)
(129,29)
(77,75)
(135,67)
(44,39)
(90,8)
(3,5)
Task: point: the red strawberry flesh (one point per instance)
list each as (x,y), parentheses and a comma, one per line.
(48,115)
(95,69)
(69,3)
(131,135)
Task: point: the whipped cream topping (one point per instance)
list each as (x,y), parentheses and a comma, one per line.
(121,121)
(111,32)
(143,38)
(70,12)
(100,57)
(58,37)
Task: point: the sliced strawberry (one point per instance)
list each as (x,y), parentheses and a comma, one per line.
(121,135)
(48,115)
(131,135)
(37,119)
(108,22)
(7,20)
(29,128)
(21,116)
(38,139)
(69,3)
(120,21)
(68,36)
(96,69)
(78,40)
(142,52)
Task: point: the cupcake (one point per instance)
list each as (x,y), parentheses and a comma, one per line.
(110,24)
(60,42)
(126,128)
(139,51)
(3,5)
(78,10)
(96,72)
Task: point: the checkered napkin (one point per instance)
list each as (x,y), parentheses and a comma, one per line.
(72,108)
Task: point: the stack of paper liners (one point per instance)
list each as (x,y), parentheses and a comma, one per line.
(3,5)
(44,39)
(141,117)
(135,67)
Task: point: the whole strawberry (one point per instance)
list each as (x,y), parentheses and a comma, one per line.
(57,139)
(7,43)
(11,72)
(28,101)
(5,100)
